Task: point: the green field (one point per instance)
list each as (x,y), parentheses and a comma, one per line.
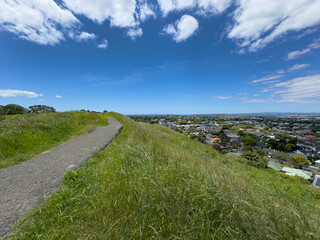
(153,183)
(24,136)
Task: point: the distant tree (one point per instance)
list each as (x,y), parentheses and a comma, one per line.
(223,137)
(261,152)
(299,161)
(281,156)
(289,147)
(193,136)
(183,122)
(272,143)
(12,109)
(247,148)
(293,141)
(41,109)
(1,109)
(105,111)
(254,159)
(249,141)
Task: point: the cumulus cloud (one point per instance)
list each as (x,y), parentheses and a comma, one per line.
(40,21)
(146,12)
(257,23)
(202,6)
(299,53)
(85,36)
(18,93)
(222,97)
(133,33)
(58,96)
(104,44)
(297,67)
(120,13)
(182,29)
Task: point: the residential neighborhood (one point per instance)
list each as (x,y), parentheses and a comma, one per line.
(278,138)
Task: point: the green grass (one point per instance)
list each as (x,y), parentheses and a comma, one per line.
(153,183)
(24,136)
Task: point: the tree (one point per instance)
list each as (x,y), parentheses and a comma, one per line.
(247,148)
(223,137)
(249,141)
(299,161)
(272,143)
(105,111)
(260,152)
(281,156)
(289,147)
(41,109)
(12,109)
(293,140)
(254,159)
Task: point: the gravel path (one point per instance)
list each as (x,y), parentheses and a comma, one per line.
(24,186)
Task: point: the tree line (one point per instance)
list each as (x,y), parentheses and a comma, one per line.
(12,109)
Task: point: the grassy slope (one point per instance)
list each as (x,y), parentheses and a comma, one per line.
(24,136)
(153,183)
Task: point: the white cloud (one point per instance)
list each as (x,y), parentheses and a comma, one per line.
(182,29)
(133,33)
(257,23)
(215,6)
(40,21)
(299,90)
(267,78)
(58,96)
(296,54)
(202,6)
(18,93)
(222,97)
(146,12)
(299,53)
(104,44)
(297,67)
(120,13)
(85,36)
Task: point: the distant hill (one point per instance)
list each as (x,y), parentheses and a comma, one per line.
(154,183)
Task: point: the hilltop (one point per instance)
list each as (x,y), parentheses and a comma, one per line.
(152,182)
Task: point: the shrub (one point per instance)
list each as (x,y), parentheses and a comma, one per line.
(255,160)
(12,109)
(299,161)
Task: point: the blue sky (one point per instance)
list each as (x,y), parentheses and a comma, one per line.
(165,56)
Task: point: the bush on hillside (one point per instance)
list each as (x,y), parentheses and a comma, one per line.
(254,159)
(299,161)
(12,109)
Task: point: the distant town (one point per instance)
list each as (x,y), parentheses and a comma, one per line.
(290,143)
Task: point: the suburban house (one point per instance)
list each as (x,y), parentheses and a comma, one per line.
(290,171)
(316,181)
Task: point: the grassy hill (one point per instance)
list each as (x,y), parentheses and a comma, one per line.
(153,183)
(24,136)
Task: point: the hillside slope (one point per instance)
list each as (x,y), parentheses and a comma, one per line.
(24,136)
(153,183)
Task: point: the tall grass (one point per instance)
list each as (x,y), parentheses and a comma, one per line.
(24,136)
(153,183)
